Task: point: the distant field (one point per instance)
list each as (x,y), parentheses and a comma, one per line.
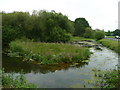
(114,45)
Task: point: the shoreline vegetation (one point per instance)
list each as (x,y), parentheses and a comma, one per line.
(11,81)
(113,45)
(48,36)
(48,53)
(108,79)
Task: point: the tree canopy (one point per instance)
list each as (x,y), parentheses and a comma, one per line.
(80,25)
(41,26)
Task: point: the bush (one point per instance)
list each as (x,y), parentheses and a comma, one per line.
(9,34)
(16,48)
(11,81)
(88,33)
(109,79)
(99,35)
(58,34)
(41,26)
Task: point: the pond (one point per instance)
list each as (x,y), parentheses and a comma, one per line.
(64,75)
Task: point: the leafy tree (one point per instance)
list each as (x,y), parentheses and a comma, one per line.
(116,32)
(9,34)
(99,34)
(80,25)
(109,33)
(40,26)
(58,35)
(88,33)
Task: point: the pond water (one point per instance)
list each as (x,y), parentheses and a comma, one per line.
(64,75)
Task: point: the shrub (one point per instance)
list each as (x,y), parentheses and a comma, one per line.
(99,35)
(16,48)
(11,81)
(109,79)
(88,33)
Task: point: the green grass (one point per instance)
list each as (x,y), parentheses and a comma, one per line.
(48,53)
(114,45)
(112,79)
(79,39)
(109,78)
(110,36)
(11,81)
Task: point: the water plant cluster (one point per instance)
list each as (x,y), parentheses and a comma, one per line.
(109,79)
(48,53)
(9,80)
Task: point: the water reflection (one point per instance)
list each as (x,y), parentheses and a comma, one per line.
(15,65)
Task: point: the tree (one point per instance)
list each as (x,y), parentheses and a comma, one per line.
(80,25)
(88,33)
(9,34)
(58,35)
(99,34)
(116,32)
(109,33)
(40,26)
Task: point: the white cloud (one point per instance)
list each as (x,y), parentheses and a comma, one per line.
(100,13)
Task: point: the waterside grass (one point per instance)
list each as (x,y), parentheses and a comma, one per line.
(11,81)
(79,39)
(48,53)
(114,45)
(108,79)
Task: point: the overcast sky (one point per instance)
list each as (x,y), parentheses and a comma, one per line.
(102,14)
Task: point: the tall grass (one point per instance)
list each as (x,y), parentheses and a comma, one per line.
(109,79)
(48,53)
(79,39)
(110,37)
(11,81)
(114,45)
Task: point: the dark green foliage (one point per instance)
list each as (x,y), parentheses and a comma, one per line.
(99,34)
(116,32)
(109,33)
(88,33)
(80,25)
(41,26)
(9,34)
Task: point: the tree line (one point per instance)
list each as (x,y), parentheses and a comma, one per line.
(43,26)
(113,33)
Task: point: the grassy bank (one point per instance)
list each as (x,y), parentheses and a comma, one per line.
(114,45)
(110,37)
(10,81)
(79,39)
(109,78)
(112,79)
(48,53)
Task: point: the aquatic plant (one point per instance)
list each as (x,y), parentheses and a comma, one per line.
(11,81)
(108,79)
